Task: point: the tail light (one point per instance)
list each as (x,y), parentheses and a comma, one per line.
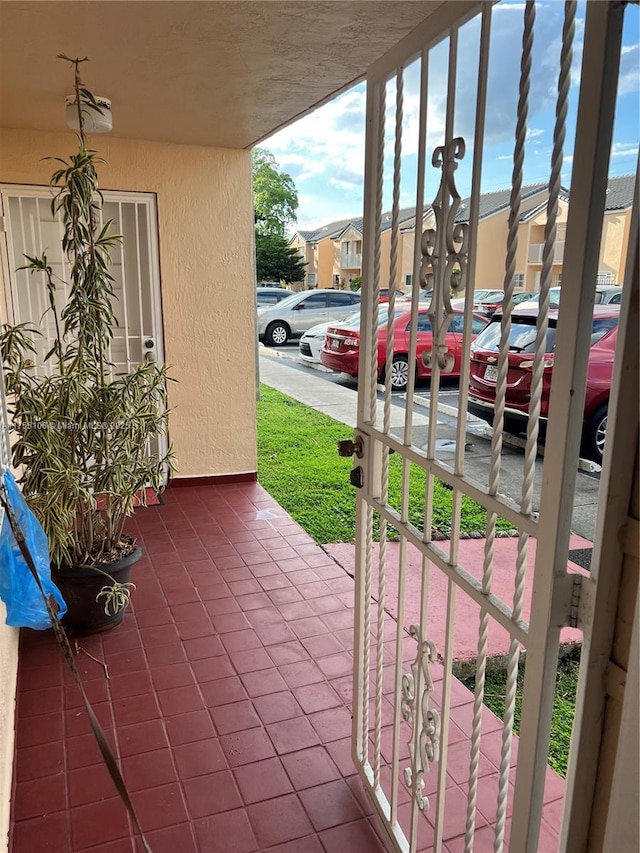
(547,364)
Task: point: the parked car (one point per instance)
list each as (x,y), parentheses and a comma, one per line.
(519,298)
(384,294)
(270,295)
(312,340)
(300,311)
(488,301)
(484,373)
(342,344)
(606,294)
(534,299)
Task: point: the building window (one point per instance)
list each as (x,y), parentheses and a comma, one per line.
(311,279)
(518,280)
(408,280)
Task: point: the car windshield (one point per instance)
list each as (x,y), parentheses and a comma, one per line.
(492,296)
(522,336)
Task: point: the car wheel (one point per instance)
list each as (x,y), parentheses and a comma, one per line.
(400,373)
(276,335)
(595,434)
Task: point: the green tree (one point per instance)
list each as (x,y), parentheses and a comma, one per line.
(275,261)
(275,198)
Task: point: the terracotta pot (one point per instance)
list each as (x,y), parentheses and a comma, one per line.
(79,588)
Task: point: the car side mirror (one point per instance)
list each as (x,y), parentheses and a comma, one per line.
(298,307)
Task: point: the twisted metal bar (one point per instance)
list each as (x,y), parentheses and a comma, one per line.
(393,260)
(564,84)
(373,355)
(366,630)
(382,550)
(408,426)
(501,384)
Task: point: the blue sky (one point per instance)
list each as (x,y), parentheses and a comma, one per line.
(324,151)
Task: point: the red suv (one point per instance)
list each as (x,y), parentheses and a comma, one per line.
(342,344)
(484,372)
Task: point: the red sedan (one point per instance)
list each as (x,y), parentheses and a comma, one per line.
(342,345)
(484,373)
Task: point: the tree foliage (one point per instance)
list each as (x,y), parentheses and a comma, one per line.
(275,197)
(275,261)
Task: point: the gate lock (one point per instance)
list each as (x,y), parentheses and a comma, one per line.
(356,477)
(353,448)
(347,447)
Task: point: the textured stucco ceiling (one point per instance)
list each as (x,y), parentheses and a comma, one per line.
(202,73)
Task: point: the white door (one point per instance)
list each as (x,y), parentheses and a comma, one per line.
(31,229)
(440,771)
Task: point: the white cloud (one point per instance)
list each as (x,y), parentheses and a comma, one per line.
(534,132)
(624,149)
(329,140)
(629,80)
(343,185)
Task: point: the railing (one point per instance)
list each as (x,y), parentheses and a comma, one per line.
(535,253)
(351,262)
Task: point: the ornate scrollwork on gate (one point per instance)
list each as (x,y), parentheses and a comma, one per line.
(443,267)
(416,711)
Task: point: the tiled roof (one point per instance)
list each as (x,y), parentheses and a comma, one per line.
(491,203)
(619,196)
(620,192)
(334,229)
(563,195)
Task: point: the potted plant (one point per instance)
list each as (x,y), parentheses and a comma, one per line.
(82,432)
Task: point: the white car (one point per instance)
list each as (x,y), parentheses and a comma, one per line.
(311,342)
(605,294)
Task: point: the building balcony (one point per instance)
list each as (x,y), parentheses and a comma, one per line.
(536,249)
(351,262)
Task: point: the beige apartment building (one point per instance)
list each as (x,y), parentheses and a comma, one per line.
(333,253)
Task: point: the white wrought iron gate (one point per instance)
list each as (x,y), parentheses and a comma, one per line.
(31,229)
(436,766)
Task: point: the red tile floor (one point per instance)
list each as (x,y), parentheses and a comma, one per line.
(227,702)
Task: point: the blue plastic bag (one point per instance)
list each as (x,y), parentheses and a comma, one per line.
(18,588)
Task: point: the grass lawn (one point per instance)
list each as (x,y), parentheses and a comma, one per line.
(299,466)
(563,705)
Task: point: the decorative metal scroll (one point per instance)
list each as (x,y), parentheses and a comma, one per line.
(416,711)
(444,249)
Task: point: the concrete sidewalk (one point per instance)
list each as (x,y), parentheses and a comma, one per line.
(309,387)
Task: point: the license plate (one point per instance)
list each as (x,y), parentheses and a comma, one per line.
(335,343)
(491,373)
